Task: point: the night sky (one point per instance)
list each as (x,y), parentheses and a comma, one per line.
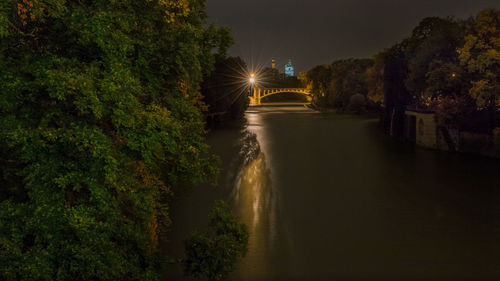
(313,32)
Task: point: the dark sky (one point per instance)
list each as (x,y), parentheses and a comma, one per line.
(313,32)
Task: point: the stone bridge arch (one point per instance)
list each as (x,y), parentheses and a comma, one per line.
(260,93)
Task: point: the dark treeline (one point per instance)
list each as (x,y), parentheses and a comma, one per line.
(343,85)
(447,65)
(225,90)
(100,120)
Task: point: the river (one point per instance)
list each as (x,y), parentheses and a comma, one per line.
(329,197)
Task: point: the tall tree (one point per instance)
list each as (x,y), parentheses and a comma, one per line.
(99,119)
(334,85)
(481,57)
(375,79)
(396,96)
(433,46)
(215,252)
(319,77)
(226,89)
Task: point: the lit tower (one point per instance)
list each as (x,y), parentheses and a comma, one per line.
(289,68)
(273,64)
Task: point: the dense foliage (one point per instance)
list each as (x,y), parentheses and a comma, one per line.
(214,252)
(225,90)
(99,118)
(334,85)
(448,66)
(438,70)
(480,57)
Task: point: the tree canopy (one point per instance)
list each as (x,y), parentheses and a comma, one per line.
(214,252)
(99,118)
(333,85)
(226,89)
(446,65)
(480,55)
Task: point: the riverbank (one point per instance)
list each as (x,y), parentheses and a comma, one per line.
(362,112)
(422,130)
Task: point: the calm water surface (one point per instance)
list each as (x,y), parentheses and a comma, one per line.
(328,197)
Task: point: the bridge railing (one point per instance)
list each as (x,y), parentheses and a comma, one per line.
(259,93)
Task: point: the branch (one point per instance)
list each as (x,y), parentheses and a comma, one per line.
(19,30)
(9,160)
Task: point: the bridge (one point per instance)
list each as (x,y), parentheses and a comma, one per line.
(260,93)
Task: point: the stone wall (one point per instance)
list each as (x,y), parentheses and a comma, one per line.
(426,135)
(454,138)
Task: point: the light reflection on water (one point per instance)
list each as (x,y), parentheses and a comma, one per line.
(256,199)
(328,197)
(255,202)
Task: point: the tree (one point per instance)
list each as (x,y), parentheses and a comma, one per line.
(333,85)
(481,57)
(319,78)
(214,252)
(100,119)
(375,79)
(396,96)
(348,79)
(357,103)
(226,89)
(432,48)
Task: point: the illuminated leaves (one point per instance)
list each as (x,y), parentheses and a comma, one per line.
(482,91)
(29,10)
(174,9)
(481,56)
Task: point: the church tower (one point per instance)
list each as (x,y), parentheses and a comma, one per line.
(273,64)
(289,68)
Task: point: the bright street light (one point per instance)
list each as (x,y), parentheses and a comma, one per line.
(252,78)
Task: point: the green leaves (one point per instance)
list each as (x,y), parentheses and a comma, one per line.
(99,119)
(214,253)
(4,18)
(481,57)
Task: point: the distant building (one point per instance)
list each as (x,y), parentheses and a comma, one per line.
(289,69)
(273,64)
